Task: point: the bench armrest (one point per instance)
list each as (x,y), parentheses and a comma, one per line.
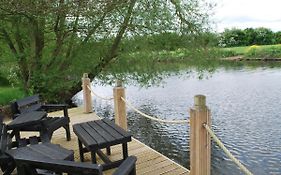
(128,167)
(62,166)
(56,107)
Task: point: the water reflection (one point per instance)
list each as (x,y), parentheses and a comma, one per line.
(246,116)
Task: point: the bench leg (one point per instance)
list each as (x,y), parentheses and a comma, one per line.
(9,168)
(94,157)
(45,135)
(125,150)
(108,151)
(81,153)
(134,171)
(67,130)
(17,135)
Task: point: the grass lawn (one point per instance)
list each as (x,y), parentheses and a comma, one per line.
(237,50)
(256,51)
(8,94)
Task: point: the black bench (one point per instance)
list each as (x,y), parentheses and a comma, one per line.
(28,165)
(34,145)
(99,134)
(33,103)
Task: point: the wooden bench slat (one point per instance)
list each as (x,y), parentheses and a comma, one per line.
(102,132)
(84,135)
(51,151)
(30,108)
(110,130)
(28,100)
(94,134)
(117,128)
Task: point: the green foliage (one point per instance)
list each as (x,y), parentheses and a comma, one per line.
(277,37)
(148,67)
(8,94)
(167,42)
(4,81)
(163,41)
(232,37)
(49,44)
(238,37)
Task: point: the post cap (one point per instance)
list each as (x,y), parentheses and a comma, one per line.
(200,101)
(118,83)
(85,75)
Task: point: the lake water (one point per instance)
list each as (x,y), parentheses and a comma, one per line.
(246,116)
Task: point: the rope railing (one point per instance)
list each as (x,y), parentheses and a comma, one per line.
(103,98)
(227,152)
(154,118)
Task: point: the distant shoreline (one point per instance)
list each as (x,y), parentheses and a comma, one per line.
(243,58)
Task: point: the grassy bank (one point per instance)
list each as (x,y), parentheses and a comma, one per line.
(8,94)
(255,51)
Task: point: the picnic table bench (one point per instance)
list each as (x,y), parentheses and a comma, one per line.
(27,147)
(33,103)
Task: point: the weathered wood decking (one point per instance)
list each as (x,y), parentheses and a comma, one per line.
(149,161)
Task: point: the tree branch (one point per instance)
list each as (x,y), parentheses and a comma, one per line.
(9,41)
(112,51)
(180,15)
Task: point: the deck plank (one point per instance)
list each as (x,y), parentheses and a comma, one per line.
(149,161)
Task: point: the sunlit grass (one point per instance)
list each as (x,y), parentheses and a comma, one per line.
(255,51)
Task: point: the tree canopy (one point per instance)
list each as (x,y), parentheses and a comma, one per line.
(249,36)
(47,40)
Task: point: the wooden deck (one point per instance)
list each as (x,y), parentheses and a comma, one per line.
(149,161)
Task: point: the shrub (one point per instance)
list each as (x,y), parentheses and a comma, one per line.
(4,81)
(9,94)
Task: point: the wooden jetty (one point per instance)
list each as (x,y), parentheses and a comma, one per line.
(149,161)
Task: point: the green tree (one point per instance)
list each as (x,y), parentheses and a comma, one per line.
(49,39)
(232,37)
(246,37)
(277,37)
(250,36)
(264,36)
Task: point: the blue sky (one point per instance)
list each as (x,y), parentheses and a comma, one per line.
(248,13)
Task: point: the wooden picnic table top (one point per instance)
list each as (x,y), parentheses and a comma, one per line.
(41,151)
(30,118)
(100,134)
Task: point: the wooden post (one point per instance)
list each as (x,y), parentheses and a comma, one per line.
(200,141)
(119,105)
(87,96)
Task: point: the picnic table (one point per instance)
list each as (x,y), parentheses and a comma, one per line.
(99,134)
(26,120)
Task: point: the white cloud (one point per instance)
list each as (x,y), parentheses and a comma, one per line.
(248,13)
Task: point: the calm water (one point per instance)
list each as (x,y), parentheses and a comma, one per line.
(246,115)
